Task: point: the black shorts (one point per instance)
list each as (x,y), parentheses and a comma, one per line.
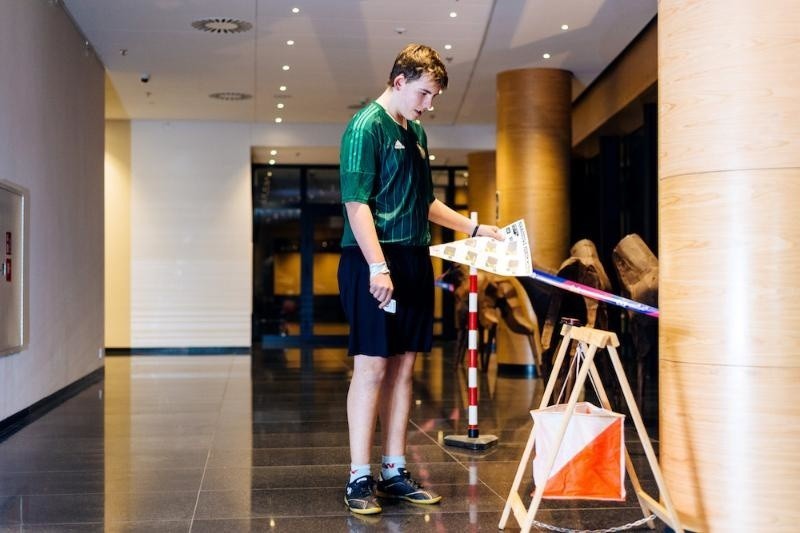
(374,331)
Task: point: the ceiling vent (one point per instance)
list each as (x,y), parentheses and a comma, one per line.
(230,96)
(361,103)
(218,25)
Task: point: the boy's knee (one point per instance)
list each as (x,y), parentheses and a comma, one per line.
(372,372)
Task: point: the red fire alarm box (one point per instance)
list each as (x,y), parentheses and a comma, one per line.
(13,294)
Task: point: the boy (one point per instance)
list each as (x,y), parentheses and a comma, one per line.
(388,200)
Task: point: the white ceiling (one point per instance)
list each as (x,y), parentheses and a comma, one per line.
(342,54)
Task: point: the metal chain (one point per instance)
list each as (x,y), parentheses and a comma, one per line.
(632,525)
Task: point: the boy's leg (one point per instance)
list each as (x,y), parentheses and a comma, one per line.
(395,406)
(362,409)
(362,404)
(395,403)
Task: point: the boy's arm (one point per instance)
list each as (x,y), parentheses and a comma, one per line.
(439,213)
(363,225)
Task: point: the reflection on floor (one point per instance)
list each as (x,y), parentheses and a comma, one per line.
(219,444)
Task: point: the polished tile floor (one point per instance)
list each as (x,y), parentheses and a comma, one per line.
(234,444)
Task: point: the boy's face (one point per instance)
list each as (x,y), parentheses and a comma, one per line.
(415,97)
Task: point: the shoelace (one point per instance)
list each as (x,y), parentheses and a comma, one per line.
(411,481)
(360,481)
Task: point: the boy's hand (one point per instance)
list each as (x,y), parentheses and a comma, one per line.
(381,288)
(484,230)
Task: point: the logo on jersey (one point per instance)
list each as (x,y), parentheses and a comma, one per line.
(399,146)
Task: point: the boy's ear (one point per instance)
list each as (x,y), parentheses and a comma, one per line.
(399,81)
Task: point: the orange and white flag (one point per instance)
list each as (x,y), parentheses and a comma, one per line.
(590,463)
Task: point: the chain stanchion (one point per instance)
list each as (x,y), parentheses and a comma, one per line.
(473,439)
(472,347)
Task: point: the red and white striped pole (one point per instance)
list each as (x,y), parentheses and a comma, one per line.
(472,439)
(472,346)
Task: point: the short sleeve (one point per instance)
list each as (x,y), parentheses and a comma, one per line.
(357,162)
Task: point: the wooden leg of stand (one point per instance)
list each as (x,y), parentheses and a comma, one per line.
(648,447)
(562,351)
(637,488)
(562,430)
(523,466)
(526,455)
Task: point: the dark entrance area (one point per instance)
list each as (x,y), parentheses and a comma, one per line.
(297,227)
(297,224)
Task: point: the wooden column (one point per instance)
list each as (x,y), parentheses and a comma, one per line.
(533,152)
(729,191)
(482,186)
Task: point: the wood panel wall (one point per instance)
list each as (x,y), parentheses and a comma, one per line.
(482,186)
(729,180)
(533,155)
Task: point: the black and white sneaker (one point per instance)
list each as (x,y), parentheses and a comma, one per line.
(359,496)
(404,487)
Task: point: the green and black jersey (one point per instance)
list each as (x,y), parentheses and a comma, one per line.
(386,167)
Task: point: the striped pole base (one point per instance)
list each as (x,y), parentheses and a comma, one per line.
(472,439)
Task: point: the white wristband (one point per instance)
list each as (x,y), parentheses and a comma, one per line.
(378,268)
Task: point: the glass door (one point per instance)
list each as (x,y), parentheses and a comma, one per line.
(325,212)
(277,210)
(297,226)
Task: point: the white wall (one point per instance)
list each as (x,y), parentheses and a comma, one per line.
(191,225)
(51,143)
(118,233)
(179,203)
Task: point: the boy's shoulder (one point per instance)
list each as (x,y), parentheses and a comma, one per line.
(370,116)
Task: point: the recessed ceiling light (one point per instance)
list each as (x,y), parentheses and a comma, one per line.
(282,88)
(271,161)
(448,47)
(278,120)
(290,42)
(285,67)
(273,152)
(546,55)
(430,108)
(432,157)
(564,26)
(295,10)
(222,25)
(453,14)
(230,96)
(279,105)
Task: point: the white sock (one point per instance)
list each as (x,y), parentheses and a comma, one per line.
(357,471)
(391,465)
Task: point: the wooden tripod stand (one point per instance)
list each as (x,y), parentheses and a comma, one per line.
(591,340)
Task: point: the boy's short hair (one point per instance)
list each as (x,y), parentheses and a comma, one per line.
(417,59)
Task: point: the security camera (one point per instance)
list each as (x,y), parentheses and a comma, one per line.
(144,78)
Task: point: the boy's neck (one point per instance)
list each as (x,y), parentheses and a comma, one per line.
(385,100)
